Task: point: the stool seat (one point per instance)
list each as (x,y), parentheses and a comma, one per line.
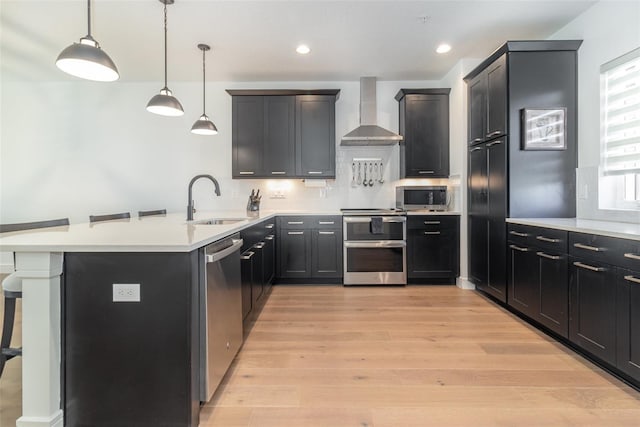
(12,283)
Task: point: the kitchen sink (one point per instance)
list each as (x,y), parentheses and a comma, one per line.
(219,221)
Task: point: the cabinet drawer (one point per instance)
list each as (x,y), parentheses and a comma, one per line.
(519,234)
(297,222)
(596,248)
(326,221)
(431,222)
(628,255)
(549,239)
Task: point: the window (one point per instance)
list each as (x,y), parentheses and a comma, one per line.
(620,147)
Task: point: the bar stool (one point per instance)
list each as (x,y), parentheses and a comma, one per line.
(151,213)
(12,290)
(109,217)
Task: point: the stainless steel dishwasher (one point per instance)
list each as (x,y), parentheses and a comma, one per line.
(221,312)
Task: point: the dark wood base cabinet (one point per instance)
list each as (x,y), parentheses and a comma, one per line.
(433,248)
(582,287)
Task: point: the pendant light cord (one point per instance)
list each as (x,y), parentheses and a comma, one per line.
(89,18)
(165,45)
(203,83)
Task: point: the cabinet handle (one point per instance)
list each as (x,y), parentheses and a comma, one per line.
(314,173)
(475,149)
(518,248)
(278,173)
(543,255)
(517,233)
(247,172)
(431,222)
(632,279)
(269,237)
(295,232)
(326,232)
(632,256)
(589,267)
(431,232)
(587,247)
(247,255)
(546,239)
(295,222)
(425,172)
(494,133)
(259,245)
(477,140)
(491,144)
(326,222)
(269,226)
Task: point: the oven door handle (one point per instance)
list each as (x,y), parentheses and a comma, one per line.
(376,245)
(352,219)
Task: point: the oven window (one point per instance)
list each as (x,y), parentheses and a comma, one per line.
(362,231)
(373,260)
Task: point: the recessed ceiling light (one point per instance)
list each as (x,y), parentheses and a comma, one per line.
(303,49)
(443,48)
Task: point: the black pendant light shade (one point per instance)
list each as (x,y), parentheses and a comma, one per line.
(86,59)
(165,103)
(204,126)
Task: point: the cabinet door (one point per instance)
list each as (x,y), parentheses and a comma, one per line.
(477,180)
(478,247)
(269,261)
(553,289)
(629,323)
(426,136)
(279,136)
(432,253)
(257,267)
(246,274)
(477,108)
(592,302)
(294,253)
(497,98)
(315,136)
(496,211)
(247,136)
(523,280)
(326,249)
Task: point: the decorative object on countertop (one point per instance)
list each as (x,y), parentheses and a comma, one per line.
(253,205)
(204,125)
(190,207)
(86,60)
(165,103)
(543,129)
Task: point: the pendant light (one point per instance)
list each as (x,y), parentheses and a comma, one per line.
(204,126)
(165,103)
(86,60)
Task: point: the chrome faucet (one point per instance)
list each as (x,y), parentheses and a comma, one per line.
(190,208)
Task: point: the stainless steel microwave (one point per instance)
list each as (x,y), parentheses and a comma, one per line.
(432,197)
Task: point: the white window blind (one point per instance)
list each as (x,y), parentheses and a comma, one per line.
(621,114)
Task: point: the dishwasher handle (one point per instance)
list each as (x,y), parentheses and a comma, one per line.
(217,256)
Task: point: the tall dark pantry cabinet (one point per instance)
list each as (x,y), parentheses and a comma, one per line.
(504,179)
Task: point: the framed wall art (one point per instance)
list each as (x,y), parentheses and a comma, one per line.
(544,129)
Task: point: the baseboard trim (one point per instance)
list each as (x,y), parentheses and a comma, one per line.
(464,283)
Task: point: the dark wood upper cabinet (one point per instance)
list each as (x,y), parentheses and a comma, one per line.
(315,136)
(424,124)
(477,109)
(283,133)
(497,98)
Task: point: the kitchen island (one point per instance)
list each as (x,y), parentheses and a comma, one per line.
(41,261)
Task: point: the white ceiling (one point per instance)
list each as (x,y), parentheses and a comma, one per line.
(256,40)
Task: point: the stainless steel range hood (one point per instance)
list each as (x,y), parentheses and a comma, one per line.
(369,133)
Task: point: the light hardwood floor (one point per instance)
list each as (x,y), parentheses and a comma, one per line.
(398,357)
(403,357)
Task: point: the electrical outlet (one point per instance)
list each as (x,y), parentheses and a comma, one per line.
(126,292)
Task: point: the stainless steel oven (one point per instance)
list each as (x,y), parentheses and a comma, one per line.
(375,248)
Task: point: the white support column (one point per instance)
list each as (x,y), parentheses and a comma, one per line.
(41,348)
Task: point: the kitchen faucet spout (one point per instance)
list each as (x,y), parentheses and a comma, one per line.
(190,208)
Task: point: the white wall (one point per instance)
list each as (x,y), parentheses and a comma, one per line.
(609,29)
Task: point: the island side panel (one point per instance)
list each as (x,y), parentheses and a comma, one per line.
(130,363)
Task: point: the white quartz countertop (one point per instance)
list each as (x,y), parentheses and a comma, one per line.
(170,233)
(426,212)
(622,230)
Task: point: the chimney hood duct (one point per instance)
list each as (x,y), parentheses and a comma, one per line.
(369,133)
